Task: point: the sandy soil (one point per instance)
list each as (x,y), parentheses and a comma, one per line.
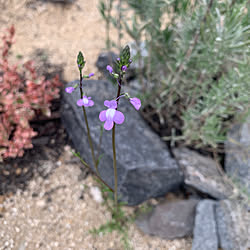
(58,212)
(61,30)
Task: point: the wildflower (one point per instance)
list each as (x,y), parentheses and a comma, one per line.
(118,59)
(124,68)
(90,75)
(69,89)
(111,115)
(85,101)
(136,102)
(110,69)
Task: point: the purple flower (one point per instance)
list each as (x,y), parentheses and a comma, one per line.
(91,74)
(85,101)
(69,89)
(124,68)
(110,69)
(118,59)
(130,61)
(136,102)
(111,115)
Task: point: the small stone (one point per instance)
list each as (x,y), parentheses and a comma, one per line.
(205,229)
(96,194)
(25,170)
(18,171)
(41,203)
(6,173)
(201,173)
(17,229)
(58,163)
(169,220)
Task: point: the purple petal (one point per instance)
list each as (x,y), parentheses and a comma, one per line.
(108,125)
(113,104)
(89,97)
(102,116)
(119,117)
(110,104)
(91,103)
(106,103)
(118,59)
(69,89)
(91,74)
(136,102)
(110,69)
(124,68)
(80,102)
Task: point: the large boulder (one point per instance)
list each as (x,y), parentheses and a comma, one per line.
(237,148)
(145,167)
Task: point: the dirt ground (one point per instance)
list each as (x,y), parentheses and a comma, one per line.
(57,212)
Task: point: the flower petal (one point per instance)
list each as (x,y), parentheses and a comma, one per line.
(91,103)
(80,102)
(69,89)
(102,116)
(106,103)
(108,125)
(119,117)
(109,68)
(136,102)
(110,114)
(113,104)
(110,104)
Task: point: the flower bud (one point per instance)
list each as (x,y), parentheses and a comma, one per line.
(80,60)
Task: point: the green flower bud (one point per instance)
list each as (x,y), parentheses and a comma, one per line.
(80,61)
(125,55)
(115,75)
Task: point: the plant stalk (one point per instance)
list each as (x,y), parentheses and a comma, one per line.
(88,130)
(98,177)
(114,151)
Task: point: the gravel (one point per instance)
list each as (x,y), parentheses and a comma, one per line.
(57,212)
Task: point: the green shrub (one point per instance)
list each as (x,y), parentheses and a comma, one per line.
(198,61)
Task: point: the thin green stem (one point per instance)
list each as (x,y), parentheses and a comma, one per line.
(88,130)
(86,165)
(114,166)
(113,145)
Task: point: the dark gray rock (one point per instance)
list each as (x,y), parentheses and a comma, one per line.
(233,223)
(237,147)
(145,167)
(201,173)
(104,59)
(169,220)
(205,229)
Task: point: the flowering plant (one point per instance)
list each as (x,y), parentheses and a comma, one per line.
(23,95)
(110,116)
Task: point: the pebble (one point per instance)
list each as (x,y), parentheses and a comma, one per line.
(58,163)
(96,194)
